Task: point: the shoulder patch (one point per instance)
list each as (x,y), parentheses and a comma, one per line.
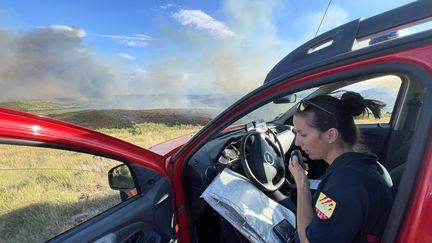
(324,206)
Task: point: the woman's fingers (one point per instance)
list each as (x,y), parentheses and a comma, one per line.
(294,161)
(296,170)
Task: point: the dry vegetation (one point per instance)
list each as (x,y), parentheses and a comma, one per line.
(149,134)
(43,191)
(369,119)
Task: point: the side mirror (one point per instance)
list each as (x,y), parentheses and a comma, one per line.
(120,178)
(286,99)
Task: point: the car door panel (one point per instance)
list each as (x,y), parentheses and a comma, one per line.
(143,218)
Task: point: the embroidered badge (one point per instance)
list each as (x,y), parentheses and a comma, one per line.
(324,206)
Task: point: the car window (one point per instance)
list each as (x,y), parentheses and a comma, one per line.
(44,192)
(384,88)
(272,110)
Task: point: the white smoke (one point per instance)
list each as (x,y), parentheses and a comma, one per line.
(50,62)
(200,55)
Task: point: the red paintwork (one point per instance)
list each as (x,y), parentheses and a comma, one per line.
(16,126)
(130,193)
(417,225)
(421,56)
(170,147)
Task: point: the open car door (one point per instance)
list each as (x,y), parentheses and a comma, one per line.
(145,214)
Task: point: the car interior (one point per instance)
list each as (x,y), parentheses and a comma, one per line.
(390,138)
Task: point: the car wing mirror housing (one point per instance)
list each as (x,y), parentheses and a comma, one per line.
(120,178)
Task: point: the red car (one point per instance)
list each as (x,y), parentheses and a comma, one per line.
(376,57)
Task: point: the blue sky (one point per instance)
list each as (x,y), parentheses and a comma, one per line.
(104,47)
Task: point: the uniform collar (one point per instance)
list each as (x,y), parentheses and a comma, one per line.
(349,157)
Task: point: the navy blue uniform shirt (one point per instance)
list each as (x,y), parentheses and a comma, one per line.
(352,202)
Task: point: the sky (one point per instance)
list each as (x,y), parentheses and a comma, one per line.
(133,48)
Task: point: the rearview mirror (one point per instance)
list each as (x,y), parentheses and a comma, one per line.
(120,178)
(286,99)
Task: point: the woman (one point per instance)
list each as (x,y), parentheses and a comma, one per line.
(354,198)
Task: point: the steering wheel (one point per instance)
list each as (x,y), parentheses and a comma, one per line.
(263,160)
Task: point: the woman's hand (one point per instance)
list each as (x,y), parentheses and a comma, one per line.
(299,174)
(304,197)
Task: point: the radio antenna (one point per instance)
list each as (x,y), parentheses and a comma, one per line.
(325,12)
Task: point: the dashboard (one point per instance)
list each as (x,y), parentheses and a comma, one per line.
(231,154)
(224,152)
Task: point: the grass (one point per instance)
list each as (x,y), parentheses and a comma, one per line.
(149,134)
(44,192)
(43,106)
(39,222)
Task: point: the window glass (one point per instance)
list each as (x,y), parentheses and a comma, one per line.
(44,192)
(273,110)
(384,88)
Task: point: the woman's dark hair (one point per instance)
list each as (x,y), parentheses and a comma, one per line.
(331,112)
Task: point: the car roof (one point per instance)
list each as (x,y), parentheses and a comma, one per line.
(327,47)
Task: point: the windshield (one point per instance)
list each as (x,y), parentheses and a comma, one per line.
(383,88)
(271,111)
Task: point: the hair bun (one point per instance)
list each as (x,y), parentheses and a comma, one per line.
(354,101)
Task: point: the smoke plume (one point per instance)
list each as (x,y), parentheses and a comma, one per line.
(201,55)
(50,62)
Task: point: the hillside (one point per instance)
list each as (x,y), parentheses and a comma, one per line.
(127,118)
(43,106)
(75,112)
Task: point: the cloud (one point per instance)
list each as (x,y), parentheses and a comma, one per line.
(168,5)
(228,66)
(309,22)
(202,21)
(138,40)
(125,56)
(66,29)
(136,74)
